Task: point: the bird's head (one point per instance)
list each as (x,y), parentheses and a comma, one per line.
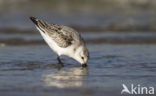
(81,55)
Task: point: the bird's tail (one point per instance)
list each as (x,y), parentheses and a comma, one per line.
(34,20)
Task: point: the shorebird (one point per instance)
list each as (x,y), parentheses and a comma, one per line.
(63,40)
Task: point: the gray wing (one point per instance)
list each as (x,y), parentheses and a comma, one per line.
(64,36)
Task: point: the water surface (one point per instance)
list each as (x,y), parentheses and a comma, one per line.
(33,70)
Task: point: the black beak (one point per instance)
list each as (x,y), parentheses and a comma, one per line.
(84,65)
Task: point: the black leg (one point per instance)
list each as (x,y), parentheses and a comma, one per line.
(59,61)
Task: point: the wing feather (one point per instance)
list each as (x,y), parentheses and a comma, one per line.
(64,36)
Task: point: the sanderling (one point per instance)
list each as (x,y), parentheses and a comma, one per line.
(63,40)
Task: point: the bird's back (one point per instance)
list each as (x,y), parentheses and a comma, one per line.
(64,36)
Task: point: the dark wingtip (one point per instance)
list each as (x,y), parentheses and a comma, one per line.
(33,19)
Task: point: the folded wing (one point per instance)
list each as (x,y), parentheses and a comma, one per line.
(64,36)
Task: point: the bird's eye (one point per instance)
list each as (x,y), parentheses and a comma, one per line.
(82,57)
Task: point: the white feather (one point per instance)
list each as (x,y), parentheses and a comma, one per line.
(68,51)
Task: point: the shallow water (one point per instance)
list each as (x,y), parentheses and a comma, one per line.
(33,70)
(29,38)
(126,55)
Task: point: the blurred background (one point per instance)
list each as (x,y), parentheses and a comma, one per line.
(120,35)
(92,16)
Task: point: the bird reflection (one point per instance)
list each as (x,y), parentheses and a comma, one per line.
(72,77)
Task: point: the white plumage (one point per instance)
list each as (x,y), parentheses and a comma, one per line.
(63,40)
